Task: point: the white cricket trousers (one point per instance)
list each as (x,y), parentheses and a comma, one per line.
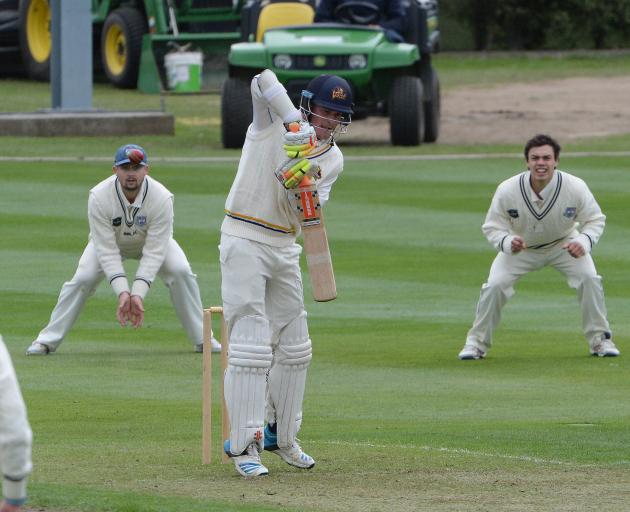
(509,268)
(263,305)
(175,273)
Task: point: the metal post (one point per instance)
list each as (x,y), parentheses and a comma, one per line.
(71,58)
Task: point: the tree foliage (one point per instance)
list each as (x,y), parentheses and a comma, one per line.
(543,24)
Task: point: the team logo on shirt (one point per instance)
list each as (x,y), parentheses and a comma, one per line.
(141,220)
(513,213)
(117,221)
(569,212)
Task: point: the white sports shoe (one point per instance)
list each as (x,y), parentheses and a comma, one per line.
(295,456)
(605,348)
(247,463)
(471,352)
(37,349)
(216,346)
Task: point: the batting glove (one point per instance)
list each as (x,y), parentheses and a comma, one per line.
(300,139)
(295,170)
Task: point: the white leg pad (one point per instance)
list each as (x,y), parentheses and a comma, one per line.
(249,360)
(287,379)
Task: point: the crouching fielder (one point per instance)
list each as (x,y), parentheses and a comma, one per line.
(542,217)
(261,282)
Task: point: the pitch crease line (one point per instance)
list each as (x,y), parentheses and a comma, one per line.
(464,451)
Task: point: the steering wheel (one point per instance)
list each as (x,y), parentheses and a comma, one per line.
(356,12)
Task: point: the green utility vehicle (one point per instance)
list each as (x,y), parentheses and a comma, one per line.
(388,79)
(131,37)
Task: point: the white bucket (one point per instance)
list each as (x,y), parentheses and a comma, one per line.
(183,71)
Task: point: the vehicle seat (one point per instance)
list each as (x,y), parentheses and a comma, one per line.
(282,14)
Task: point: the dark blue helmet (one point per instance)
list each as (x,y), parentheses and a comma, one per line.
(331,92)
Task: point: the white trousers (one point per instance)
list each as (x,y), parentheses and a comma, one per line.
(258,280)
(175,273)
(509,268)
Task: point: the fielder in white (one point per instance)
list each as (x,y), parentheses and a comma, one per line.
(15,437)
(130,216)
(542,217)
(270,347)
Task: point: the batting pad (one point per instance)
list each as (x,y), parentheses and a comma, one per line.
(249,359)
(287,379)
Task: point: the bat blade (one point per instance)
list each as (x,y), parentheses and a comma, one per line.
(319,262)
(316,247)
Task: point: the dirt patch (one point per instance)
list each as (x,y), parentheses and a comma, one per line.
(567,109)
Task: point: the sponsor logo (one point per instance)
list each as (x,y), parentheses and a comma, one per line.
(141,220)
(258,435)
(338,93)
(117,221)
(513,213)
(569,212)
(319,61)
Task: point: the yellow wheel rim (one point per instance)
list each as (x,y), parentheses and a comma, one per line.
(115,50)
(38,30)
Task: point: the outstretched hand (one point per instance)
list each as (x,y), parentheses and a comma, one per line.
(123,312)
(137,311)
(130,309)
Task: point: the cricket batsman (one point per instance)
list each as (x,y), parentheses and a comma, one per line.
(270,347)
(542,217)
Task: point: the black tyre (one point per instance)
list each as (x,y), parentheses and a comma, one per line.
(121,46)
(431,106)
(35,42)
(236,112)
(406,116)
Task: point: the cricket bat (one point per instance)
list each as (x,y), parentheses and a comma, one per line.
(316,248)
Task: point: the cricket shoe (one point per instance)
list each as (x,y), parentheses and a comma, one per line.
(216,346)
(247,463)
(38,349)
(471,352)
(292,455)
(605,348)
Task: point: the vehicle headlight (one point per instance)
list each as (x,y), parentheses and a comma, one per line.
(282,61)
(357,61)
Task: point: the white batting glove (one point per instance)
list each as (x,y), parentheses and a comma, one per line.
(293,171)
(300,139)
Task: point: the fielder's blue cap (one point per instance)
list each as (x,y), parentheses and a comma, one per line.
(130,153)
(331,92)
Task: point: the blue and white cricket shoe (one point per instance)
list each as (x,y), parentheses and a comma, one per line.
(293,455)
(247,463)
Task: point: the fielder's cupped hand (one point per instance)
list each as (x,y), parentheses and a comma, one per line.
(518,245)
(575,249)
(137,311)
(130,309)
(299,140)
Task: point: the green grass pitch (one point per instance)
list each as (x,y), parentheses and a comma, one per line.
(393,419)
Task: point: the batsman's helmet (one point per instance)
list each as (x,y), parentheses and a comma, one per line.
(130,153)
(330,92)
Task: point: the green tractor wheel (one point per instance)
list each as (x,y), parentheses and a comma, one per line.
(35,42)
(406,112)
(432,107)
(121,46)
(236,112)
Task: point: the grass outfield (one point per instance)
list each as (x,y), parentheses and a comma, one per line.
(394,420)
